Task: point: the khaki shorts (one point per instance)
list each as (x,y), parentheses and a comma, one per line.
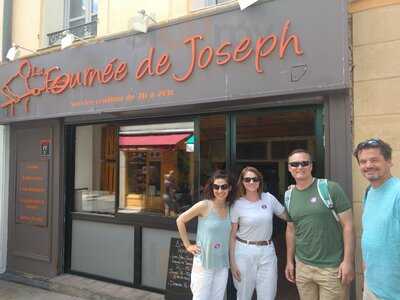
(319,283)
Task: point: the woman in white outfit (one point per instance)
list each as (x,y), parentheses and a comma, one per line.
(252,253)
(211,251)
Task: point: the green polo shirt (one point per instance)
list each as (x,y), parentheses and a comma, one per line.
(319,239)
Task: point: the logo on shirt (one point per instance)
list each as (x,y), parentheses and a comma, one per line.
(264,206)
(313,200)
(217,246)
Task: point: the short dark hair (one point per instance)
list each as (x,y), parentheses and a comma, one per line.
(220,174)
(300,150)
(374,143)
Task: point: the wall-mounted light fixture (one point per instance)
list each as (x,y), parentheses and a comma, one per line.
(14,52)
(142,20)
(246,3)
(69,39)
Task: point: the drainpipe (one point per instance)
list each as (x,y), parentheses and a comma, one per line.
(7,28)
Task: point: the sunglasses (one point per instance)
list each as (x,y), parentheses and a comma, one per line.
(250,179)
(296,164)
(372,142)
(223,187)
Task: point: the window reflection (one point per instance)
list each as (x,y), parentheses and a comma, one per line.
(95,168)
(212,146)
(156,168)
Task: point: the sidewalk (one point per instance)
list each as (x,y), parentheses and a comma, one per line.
(68,287)
(15,291)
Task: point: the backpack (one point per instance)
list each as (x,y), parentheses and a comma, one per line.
(323,191)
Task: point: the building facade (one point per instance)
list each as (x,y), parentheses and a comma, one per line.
(208,86)
(375,89)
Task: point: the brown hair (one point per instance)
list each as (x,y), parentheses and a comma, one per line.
(374,143)
(220,174)
(241,191)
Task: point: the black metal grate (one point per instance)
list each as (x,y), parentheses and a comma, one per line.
(82,31)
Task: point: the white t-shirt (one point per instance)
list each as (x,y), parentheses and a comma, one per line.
(255,218)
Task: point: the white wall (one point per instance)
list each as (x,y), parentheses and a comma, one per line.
(97,130)
(84,157)
(26,20)
(4,175)
(52,19)
(1,26)
(116,15)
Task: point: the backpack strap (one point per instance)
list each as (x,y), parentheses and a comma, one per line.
(288,195)
(323,191)
(366,193)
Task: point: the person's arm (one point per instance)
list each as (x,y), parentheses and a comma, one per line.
(283,216)
(290,249)
(346,268)
(199,209)
(232,242)
(278,209)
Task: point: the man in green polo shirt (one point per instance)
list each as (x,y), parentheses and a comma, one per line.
(320,249)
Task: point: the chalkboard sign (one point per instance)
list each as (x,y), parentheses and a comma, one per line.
(179,268)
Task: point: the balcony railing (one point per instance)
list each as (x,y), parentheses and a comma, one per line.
(82,31)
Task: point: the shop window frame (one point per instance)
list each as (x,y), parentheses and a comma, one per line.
(160,222)
(141,218)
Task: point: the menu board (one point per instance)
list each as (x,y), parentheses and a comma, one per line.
(32,192)
(179,270)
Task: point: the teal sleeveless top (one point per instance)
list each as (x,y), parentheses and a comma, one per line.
(213,238)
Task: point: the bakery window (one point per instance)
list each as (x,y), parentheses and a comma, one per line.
(95,168)
(156,168)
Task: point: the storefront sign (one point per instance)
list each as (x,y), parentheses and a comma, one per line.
(179,269)
(45,148)
(32,191)
(54,81)
(254,53)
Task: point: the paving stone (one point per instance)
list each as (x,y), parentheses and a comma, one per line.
(77,287)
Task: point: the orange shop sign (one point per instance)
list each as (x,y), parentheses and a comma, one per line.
(55,81)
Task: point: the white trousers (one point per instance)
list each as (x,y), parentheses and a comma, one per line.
(208,284)
(258,269)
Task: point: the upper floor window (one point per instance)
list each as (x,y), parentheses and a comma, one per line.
(80,18)
(199,4)
(79,12)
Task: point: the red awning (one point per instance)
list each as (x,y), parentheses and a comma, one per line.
(153,140)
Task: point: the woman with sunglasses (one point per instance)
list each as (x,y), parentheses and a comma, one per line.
(252,254)
(211,250)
